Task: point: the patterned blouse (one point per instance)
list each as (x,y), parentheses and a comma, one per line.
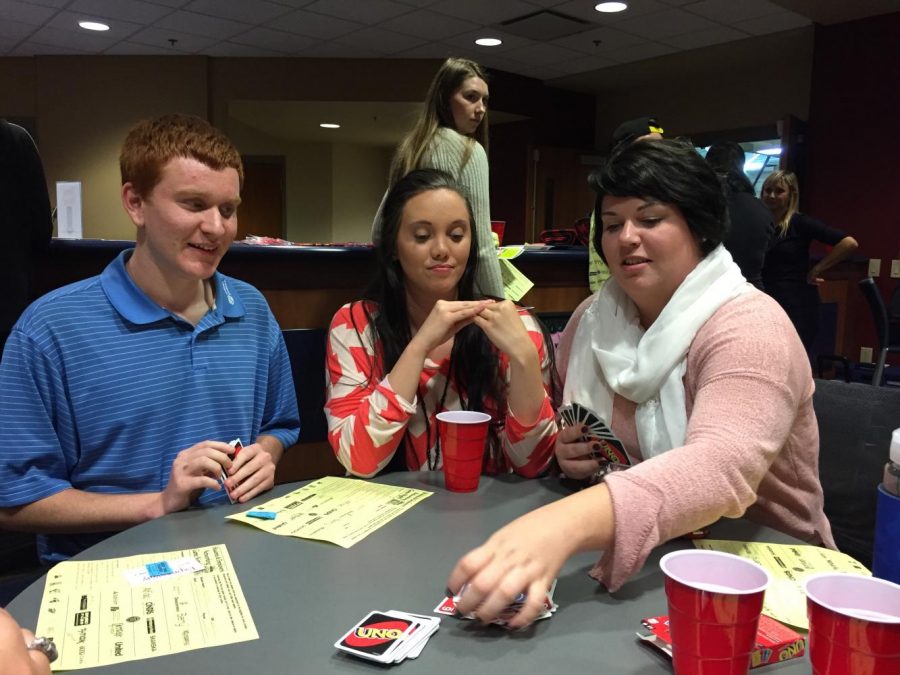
(367,420)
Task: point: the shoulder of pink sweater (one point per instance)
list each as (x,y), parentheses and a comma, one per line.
(751,334)
(564,347)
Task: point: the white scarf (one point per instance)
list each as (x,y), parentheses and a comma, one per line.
(612,354)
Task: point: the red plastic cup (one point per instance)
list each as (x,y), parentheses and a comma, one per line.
(463,434)
(498,226)
(715,600)
(854,624)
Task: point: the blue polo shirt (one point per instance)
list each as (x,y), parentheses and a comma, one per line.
(100,389)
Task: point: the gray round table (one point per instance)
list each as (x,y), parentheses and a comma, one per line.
(304,594)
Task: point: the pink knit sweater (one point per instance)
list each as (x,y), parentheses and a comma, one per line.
(752,446)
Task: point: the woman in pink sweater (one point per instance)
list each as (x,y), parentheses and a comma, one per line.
(701,376)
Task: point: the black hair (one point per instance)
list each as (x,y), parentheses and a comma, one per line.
(671,172)
(474,363)
(727,160)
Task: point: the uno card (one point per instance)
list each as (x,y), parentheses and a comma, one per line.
(237,446)
(376,637)
(611,450)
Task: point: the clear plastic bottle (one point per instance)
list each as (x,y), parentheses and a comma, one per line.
(892,468)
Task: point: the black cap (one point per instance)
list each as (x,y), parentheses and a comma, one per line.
(632,129)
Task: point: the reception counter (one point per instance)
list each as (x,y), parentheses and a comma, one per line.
(305,285)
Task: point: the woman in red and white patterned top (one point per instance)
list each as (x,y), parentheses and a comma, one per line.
(419,343)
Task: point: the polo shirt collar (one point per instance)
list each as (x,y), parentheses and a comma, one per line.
(137,307)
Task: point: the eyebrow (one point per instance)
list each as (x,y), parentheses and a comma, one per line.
(646,205)
(194,194)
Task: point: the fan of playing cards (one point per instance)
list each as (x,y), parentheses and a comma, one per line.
(608,448)
(389,637)
(448,606)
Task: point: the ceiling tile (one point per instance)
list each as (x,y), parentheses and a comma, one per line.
(175,4)
(68,21)
(428,50)
(585,10)
(665,23)
(381,41)
(638,52)
(83,41)
(314,25)
(10,10)
(36,49)
(187,43)
(541,54)
(467,41)
(480,11)
(126,48)
(266,38)
(256,12)
(583,64)
(331,50)
(231,49)
(16,30)
(773,23)
(705,38)
(548,4)
(606,39)
(420,3)
(429,25)
(200,24)
(730,12)
(58,4)
(127,10)
(368,12)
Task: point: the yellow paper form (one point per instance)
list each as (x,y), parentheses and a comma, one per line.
(97,617)
(788,566)
(515,284)
(340,510)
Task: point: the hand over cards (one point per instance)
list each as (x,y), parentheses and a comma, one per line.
(448,607)
(389,637)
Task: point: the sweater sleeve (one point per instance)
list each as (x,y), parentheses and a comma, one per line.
(815,230)
(529,448)
(366,418)
(446,153)
(746,376)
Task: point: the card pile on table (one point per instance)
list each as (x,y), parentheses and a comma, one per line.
(448,607)
(389,637)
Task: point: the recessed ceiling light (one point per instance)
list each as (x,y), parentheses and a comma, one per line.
(770,151)
(611,7)
(488,42)
(93,25)
(330,125)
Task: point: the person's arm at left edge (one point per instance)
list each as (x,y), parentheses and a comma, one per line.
(253,470)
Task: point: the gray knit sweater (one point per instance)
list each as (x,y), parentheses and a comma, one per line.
(446,152)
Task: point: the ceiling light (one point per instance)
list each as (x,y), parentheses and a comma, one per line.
(330,125)
(488,42)
(611,7)
(93,25)
(770,151)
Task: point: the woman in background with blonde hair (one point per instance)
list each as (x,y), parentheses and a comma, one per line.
(451,135)
(786,274)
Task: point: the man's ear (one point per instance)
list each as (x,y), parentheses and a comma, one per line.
(133,203)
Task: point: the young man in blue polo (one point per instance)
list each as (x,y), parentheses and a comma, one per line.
(119,394)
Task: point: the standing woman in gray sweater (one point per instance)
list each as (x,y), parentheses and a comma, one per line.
(451,134)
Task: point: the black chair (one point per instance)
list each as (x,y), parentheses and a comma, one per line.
(882,327)
(887,332)
(855,425)
(306,349)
